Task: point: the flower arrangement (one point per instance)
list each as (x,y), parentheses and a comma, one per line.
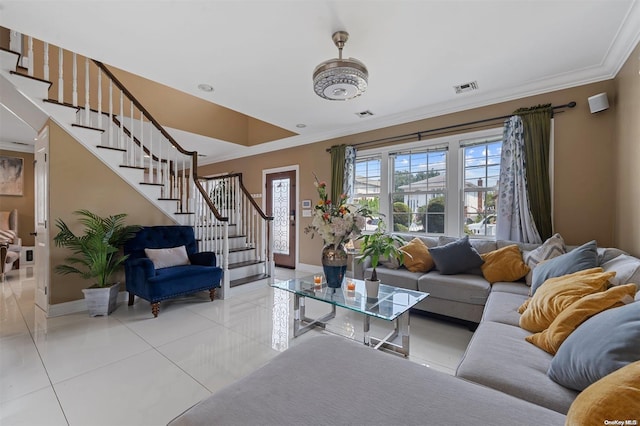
(336,222)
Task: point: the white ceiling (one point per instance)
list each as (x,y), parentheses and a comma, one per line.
(259,55)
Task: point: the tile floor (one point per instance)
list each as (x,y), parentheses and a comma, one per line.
(132,369)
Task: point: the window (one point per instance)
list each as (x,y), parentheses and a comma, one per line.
(446,185)
(419,190)
(366,188)
(481,172)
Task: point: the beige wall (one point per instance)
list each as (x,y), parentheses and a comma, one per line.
(79,180)
(583,189)
(25,202)
(626,166)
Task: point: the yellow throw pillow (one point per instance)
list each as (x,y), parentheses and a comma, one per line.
(580,311)
(614,397)
(504,264)
(418,259)
(556,294)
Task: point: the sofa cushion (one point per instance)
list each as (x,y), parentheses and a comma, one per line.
(504,264)
(329,380)
(518,287)
(466,288)
(606,254)
(400,277)
(481,245)
(559,293)
(554,246)
(500,358)
(602,344)
(503,307)
(614,397)
(578,312)
(456,257)
(627,269)
(168,257)
(583,257)
(417,257)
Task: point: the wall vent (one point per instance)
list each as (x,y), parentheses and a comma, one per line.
(466,87)
(364,114)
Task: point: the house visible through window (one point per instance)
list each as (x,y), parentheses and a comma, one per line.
(439,186)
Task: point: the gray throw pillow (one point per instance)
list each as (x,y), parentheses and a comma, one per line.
(455,257)
(578,259)
(599,346)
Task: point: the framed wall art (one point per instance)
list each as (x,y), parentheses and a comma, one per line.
(11,175)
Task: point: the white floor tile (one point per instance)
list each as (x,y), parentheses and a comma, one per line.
(83,346)
(145,389)
(133,369)
(21,370)
(40,408)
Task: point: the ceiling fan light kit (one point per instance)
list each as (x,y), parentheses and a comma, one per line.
(340,79)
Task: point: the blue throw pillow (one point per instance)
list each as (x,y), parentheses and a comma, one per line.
(456,257)
(599,346)
(578,259)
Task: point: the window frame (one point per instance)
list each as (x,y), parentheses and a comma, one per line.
(454,193)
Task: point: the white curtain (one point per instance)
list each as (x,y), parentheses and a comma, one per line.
(349,169)
(514,221)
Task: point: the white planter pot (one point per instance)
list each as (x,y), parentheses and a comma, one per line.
(372,288)
(101,300)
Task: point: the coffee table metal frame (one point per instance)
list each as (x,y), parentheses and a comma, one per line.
(393,304)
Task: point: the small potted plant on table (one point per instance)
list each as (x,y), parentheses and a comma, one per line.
(378,246)
(97,255)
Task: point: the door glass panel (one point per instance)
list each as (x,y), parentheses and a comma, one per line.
(281,209)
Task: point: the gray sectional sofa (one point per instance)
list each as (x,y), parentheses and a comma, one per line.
(501,379)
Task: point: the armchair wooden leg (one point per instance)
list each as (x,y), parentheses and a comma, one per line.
(155,308)
(212,293)
(131,299)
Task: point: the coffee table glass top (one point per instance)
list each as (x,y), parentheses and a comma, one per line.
(391,301)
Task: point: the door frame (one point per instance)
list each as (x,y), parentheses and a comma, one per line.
(41,261)
(292,168)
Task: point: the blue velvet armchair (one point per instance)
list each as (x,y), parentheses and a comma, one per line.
(145,281)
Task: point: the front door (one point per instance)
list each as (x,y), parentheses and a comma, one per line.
(281,202)
(41,182)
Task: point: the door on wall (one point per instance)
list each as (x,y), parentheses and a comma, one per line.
(41,190)
(281,204)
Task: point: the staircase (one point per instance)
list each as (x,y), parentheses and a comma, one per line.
(84,97)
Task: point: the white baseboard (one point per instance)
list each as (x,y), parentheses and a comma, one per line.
(76,306)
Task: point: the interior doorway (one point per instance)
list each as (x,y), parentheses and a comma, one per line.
(281,202)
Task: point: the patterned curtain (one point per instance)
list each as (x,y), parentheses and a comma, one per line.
(343,159)
(514,220)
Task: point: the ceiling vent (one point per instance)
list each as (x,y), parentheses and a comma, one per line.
(364,114)
(466,87)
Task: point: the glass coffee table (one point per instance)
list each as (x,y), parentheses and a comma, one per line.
(392,304)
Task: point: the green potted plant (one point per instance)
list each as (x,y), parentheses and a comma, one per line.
(377,246)
(96,256)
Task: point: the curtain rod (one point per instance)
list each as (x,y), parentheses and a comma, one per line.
(418,135)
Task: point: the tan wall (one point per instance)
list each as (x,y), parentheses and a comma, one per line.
(79,180)
(626,170)
(583,190)
(25,202)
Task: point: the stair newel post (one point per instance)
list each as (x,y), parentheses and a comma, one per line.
(225,260)
(131,149)
(30,56)
(110,123)
(74,82)
(99,98)
(141,160)
(151,154)
(271,263)
(87,108)
(121,125)
(60,75)
(45,71)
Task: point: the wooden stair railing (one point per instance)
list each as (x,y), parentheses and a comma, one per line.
(129,127)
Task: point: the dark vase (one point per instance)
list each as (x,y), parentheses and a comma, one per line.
(334,263)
